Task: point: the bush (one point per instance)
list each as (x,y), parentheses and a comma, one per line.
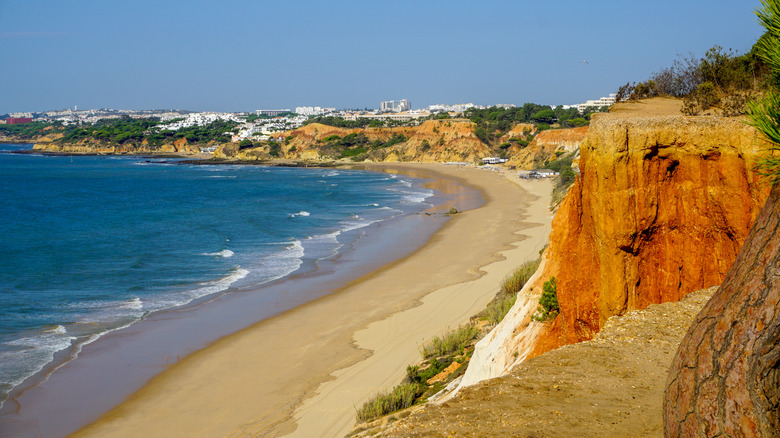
(415,375)
(450,342)
(702,99)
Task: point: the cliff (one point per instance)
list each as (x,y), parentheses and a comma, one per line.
(545,145)
(51,143)
(661,208)
(432,141)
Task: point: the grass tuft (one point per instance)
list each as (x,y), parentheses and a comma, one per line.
(517,279)
(498,308)
(450,342)
(401,397)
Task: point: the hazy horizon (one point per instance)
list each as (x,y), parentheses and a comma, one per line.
(241,56)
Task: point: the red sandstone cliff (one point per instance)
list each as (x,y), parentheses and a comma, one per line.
(661,209)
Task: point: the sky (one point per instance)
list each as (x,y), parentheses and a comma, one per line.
(232,55)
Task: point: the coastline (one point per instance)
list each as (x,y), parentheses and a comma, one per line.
(115,363)
(252,382)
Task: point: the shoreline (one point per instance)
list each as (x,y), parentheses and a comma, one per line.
(120,362)
(253,381)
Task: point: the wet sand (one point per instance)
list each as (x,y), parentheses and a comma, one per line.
(304,371)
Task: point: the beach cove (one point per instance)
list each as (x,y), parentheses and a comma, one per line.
(304,371)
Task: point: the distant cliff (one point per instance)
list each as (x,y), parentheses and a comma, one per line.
(545,145)
(52,143)
(661,208)
(432,141)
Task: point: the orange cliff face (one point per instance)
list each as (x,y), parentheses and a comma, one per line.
(661,209)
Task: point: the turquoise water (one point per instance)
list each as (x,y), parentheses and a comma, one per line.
(93,244)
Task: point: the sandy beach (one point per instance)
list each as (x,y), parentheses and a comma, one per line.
(302,373)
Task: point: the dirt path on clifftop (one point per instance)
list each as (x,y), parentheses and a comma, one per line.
(610,386)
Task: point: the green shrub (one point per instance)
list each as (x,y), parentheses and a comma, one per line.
(415,375)
(353,152)
(455,340)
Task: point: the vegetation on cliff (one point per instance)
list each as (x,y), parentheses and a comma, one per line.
(492,123)
(29,131)
(721,78)
(357,145)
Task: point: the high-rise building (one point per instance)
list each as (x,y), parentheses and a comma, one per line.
(395,106)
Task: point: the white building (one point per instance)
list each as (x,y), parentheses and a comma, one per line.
(494,160)
(457,108)
(598,103)
(312,110)
(395,106)
(404,117)
(272,113)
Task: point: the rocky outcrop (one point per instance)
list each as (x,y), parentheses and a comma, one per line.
(546,146)
(660,209)
(725,378)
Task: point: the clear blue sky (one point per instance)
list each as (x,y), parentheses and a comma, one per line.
(231,55)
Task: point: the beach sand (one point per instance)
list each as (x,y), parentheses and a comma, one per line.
(303,372)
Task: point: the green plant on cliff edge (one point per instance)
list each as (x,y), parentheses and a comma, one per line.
(765,113)
(548,302)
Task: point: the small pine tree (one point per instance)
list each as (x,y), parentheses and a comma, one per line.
(548,302)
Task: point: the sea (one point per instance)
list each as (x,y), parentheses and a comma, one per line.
(90,245)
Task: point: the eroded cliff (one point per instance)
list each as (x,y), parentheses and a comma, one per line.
(432,141)
(661,208)
(545,145)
